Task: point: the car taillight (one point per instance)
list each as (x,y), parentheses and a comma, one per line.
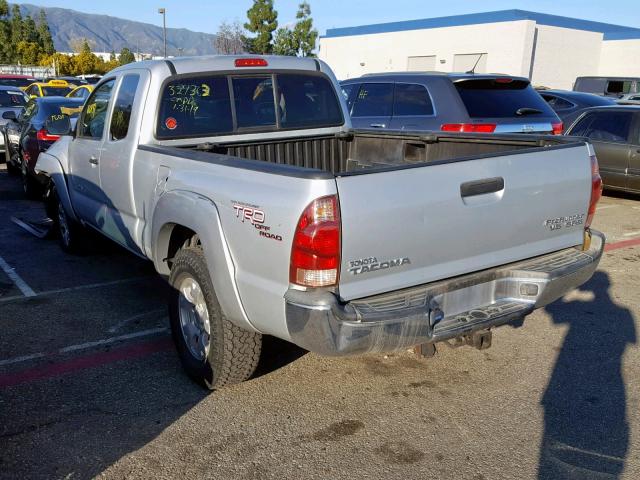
(251,62)
(469,127)
(557,128)
(46,136)
(315,254)
(596,190)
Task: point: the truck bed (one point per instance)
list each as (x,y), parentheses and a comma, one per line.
(365,150)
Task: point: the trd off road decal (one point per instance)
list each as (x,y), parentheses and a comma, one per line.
(256,217)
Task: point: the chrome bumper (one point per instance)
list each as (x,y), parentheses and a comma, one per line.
(438,311)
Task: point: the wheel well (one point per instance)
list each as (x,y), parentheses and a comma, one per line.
(180,237)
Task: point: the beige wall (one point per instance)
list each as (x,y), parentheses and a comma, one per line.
(562,54)
(620,58)
(508,45)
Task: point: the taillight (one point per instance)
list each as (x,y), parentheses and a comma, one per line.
(251,62)
(596,190)
(469,127)
(315,254)
(45,136)
(557,128)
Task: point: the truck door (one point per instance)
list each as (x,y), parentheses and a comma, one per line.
(372,106)
(84,154)
(118,219)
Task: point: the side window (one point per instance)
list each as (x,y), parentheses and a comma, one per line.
(619,86)
(605,126)
(32,90)
(122,107)
(557,103)
(411,100)
(29,111)
(373,100)
(348,92)
(94,114)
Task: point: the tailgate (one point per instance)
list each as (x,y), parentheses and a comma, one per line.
(416,225)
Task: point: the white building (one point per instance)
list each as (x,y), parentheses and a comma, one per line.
(549,49)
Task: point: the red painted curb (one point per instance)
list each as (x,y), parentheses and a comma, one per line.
(82,363)
(623,244)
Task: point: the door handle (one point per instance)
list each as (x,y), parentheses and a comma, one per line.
(378,125)
(480,187)
(93,160)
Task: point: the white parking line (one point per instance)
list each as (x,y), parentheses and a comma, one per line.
(122,323)
(107,341)
(72,289)
(26,290)
(604,207)
(85,346)
(631,234)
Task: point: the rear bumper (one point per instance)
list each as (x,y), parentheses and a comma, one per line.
(438,311)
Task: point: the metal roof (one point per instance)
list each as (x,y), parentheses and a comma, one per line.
(609,31)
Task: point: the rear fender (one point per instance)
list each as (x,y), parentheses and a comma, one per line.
(199,214)
(50,166)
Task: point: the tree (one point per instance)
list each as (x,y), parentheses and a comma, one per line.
(300,41)
(29,53)
(44,34)
(126,56)
(229,39)
(284,42)
(85,62)
(29,30)
(5,33)
(263,21)
(304,34)
(15,25)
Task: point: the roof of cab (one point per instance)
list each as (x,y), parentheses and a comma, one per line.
(204,63)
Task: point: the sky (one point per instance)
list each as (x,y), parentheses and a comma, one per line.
(205,16)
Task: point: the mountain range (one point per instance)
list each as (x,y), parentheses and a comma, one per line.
(106,33)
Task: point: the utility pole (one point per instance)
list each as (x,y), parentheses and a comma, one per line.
(162,11)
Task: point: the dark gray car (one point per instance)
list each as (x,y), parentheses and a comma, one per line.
(568,105)
(454,102)
(615,135)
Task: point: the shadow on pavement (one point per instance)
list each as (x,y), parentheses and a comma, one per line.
(586,433)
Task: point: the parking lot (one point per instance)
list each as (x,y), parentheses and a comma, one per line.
(90,384)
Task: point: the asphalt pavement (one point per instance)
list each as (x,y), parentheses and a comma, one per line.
(91,386)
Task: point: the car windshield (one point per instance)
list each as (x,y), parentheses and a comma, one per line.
(56,91)
(17,82)
(502,98)
(202,105)
(12,98)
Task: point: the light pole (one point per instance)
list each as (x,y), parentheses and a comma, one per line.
(163,12)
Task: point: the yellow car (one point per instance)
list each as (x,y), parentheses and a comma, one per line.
(83,91)
(52,88)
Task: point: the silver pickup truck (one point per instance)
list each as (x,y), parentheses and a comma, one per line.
(242,180)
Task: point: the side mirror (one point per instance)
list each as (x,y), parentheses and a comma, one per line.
(9,115)
(58,124)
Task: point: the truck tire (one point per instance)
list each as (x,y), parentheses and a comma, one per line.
(213,351)
(70,234)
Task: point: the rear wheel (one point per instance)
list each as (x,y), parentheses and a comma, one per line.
(213,351)
(12,165)
(29,185)
(69,231)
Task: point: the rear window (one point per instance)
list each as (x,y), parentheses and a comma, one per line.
(619,87)
(17,82)
(12,99)
(487,98)
(71,109)
(202,106)
(56,91)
